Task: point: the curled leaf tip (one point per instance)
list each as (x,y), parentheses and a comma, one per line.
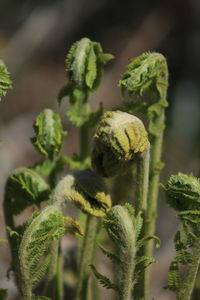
(147,75)
(118,139)
(84,64)
(5,81)
(72,225)
(86,190)
(25,187)
(183,192)
(49,133)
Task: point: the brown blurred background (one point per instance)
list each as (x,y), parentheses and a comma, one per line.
(34,39)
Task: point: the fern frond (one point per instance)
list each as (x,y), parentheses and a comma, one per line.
(25,187)
(138,223)
(36,240)
(5,81)
(49,133)
(41,270)
(142,242)
(113,257)
(105,281)
(145,261)
(86,190)
(174,280)
(147,74)
(72,225)
(84,64)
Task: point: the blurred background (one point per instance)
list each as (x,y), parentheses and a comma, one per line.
(34,39)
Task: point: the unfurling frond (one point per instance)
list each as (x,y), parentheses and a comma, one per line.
(35,243)
(183,192)
(120,227)
(119,138)
(86,190)
(49,133)
(124,227)
(105,281)
(5,81)
(84,67)
(147,74)
(25,187)
(84,64)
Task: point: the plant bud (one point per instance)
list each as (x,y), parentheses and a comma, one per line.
(147,75)
(119,138)
(5,81)
(84,64)
(49,133)
(25,187)
(86,190)
(183,192)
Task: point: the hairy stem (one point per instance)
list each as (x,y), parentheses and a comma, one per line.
(142,181)
(186,292)
(86,258)
(84,135)
(155,168)
(126,278)
(51,283)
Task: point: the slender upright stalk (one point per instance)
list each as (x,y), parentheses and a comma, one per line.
(141,203)
(84,137)
(148,75)
(86,257)
(186,292)
(13,240)
(142,181)
(126,280)
(155,168)
(51,287)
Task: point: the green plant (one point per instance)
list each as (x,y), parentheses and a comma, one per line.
(121,145)
(183,194)
(147,75)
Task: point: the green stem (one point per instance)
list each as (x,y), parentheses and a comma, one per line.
(51,283)
(155,168)
(13,240)
(84,137)
(86,258)
(186,292)
(141,204)
(126,280)
(142,182)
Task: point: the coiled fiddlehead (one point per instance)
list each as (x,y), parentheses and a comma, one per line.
(49,134)
(88,192)
(34,254)
(183,194)
(5,81)
(24,187)
(147,76)
(124,227)
(119,138)
(84,68)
